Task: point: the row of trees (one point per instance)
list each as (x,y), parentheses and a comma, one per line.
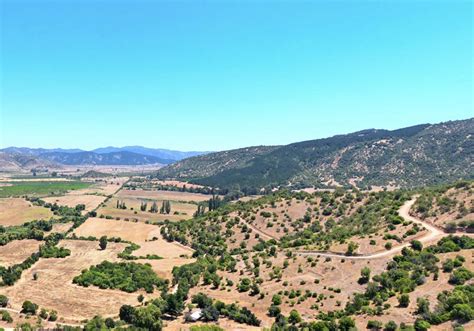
(165,207)
(121,205)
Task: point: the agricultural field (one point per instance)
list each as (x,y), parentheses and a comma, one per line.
(135,232)
(17,251)
(53,289)
(183,205)
(91,196)
(164,195)
(16,211)
(147,236)
(39,187)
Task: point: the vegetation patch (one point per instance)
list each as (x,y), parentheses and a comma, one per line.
(40,188)
(125,276)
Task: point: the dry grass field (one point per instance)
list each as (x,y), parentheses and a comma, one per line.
(164,267)
(179,210)
(17,251)
(176,183)
(54,288)
(107,186)
(139,233)
(163,195)
(135,232)
(163,248)
(91,197)
(71,200)
(16,211)
(183,205)
(61,227)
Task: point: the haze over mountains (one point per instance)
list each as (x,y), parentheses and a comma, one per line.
(408,157)
(24,157)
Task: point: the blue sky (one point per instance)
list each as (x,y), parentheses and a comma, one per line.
(214,75)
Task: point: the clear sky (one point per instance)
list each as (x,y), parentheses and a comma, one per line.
(214,75)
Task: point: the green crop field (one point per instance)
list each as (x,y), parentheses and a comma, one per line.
(42,188)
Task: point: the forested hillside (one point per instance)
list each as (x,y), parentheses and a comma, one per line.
(414,156)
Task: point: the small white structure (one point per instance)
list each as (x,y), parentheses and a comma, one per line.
(193,315)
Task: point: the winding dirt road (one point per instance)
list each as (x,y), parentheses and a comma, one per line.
(433,234)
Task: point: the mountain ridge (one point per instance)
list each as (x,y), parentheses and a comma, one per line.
(127,155)
(406,157)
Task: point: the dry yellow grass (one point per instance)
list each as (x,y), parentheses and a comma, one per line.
(164,267)
(72,200)
(184,210)
(54,288)
(331,274)
(139,233)
(61,227)
(17,251)
(226,324)
(136,232)
(91,197)
(16,211)
(176,183)
(364,242)
(163,195)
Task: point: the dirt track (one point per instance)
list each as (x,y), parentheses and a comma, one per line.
(433,234)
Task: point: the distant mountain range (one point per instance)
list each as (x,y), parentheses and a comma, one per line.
(28,158)
(164,154)
(413,156)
